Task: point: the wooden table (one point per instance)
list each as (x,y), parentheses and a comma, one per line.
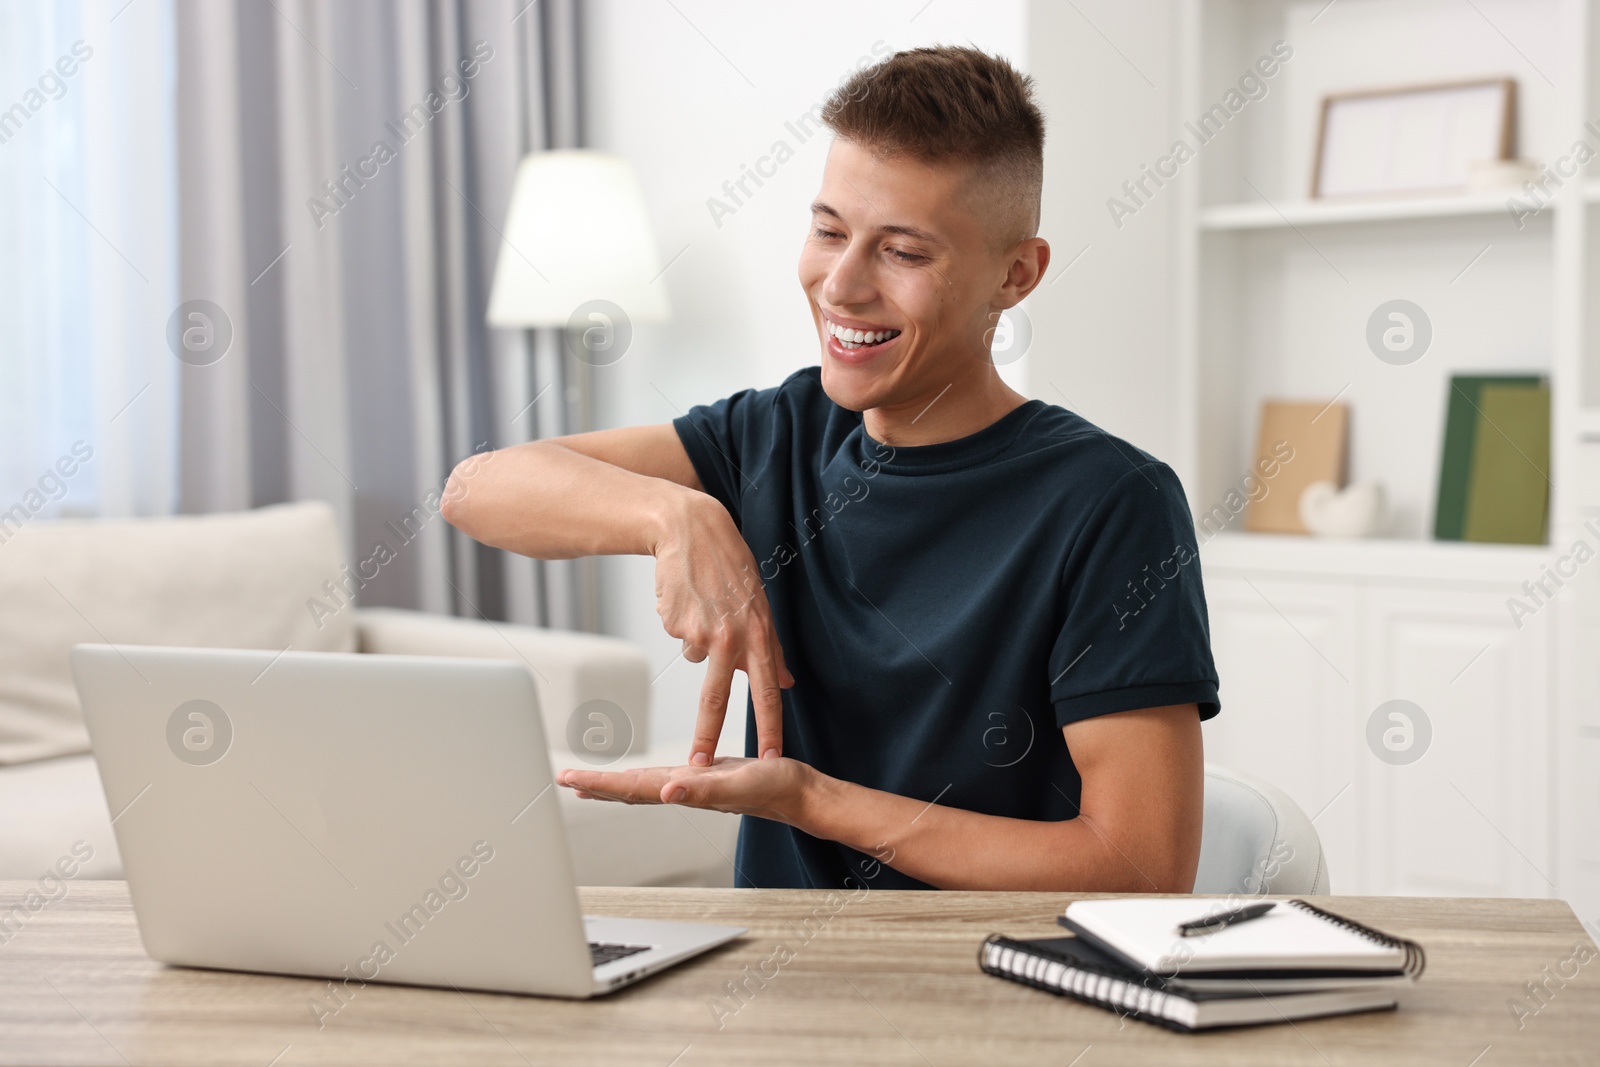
(889,978)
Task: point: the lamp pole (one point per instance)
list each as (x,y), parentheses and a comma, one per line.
(577,390)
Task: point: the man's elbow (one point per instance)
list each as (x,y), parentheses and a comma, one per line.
(1149,875)
(456,502)
(1178,864)
(1173,881)
(1173,862)
(1157,863)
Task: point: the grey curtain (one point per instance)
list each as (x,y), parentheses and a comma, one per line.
(344,171)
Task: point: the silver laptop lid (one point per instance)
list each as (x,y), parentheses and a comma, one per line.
(371,818)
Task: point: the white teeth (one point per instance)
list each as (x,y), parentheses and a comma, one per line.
(857,338)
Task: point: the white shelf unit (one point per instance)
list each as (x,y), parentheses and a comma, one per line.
(1414,561)
(1271,296)
(1264,214)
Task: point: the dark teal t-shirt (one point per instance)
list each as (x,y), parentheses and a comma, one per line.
(945,609)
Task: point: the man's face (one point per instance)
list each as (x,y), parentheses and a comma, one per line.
(900,250)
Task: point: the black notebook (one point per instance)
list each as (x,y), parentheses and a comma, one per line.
(1097,974)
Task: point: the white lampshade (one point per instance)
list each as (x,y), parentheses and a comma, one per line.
(576,232)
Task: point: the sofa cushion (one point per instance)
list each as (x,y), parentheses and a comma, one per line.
(57,812)
(570,669)
(612,844)
(239,580)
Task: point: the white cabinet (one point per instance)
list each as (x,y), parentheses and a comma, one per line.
(1580,871)
(1578,745)
(1456,797)
(1472,816)
(1285,653)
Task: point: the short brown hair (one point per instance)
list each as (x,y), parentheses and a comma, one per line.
(950,104)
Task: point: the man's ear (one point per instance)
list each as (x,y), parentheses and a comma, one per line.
(1030,258)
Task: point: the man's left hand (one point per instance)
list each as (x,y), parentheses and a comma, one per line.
(771,788)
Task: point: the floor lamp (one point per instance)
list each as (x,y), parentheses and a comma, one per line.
(577,257)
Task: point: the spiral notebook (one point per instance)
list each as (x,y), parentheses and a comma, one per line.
(1294,937)
(1353,968)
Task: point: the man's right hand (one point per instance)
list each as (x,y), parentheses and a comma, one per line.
(709,594)
(634,490)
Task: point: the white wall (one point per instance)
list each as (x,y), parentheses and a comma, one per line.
(691,91)
(1102,342)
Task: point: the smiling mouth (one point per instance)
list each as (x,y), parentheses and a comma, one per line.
(852,339)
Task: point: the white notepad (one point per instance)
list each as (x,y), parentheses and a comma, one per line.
(1293,936)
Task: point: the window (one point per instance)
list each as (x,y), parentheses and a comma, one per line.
(87,260)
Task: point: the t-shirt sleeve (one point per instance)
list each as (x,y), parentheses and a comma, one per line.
(725,440)
(1135,633)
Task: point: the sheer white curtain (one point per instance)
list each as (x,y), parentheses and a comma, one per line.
(88,270)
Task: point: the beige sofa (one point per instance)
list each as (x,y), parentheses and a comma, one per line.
(271,579)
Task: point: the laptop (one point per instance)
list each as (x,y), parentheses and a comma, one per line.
(360,818)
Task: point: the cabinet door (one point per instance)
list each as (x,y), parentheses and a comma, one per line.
(1473,814)
(1580,878)
(1579,746)
(1286,658)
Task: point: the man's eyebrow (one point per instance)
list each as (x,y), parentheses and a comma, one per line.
(819,208)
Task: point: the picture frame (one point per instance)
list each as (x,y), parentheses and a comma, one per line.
(1415,140)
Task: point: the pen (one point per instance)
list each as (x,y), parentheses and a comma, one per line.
(1212,923)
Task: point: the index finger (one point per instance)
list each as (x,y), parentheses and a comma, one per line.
(713,707)
(630,787)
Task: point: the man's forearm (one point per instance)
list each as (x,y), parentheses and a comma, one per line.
(547,501)
(951,848)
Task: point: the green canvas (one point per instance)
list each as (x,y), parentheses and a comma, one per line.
(1508,495)
(1460,438)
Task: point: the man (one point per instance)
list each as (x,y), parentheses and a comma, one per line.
(972,623)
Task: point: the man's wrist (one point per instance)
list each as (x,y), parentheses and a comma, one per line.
(814,803)
(669,512)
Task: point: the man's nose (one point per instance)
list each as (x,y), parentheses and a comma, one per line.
(850,282)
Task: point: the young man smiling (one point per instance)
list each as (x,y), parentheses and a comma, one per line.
(966,669)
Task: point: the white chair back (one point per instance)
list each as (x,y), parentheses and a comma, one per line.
(1256,840)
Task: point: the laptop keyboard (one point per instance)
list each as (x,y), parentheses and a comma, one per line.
(609,952)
